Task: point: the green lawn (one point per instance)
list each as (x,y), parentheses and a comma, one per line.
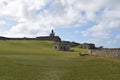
(37,60)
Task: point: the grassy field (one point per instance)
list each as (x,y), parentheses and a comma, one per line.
(37,60)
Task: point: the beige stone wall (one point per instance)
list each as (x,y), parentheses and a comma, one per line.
(112,52)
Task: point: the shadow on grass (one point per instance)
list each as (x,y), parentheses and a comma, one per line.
(81,54)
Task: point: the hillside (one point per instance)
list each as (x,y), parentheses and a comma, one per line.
(37,60)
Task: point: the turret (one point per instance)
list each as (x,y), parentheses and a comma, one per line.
(52,34)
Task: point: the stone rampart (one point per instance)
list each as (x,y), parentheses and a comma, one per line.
(106,52)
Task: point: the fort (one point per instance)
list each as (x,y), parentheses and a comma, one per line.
(106,52)
(65,46)
(51,37)
(59,45)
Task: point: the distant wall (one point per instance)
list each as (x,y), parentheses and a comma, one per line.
(106,52)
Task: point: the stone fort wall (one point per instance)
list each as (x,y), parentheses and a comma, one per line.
(106,52)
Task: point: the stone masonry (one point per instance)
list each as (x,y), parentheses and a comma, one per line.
(106,52)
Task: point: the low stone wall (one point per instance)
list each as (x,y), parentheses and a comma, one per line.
(106,52)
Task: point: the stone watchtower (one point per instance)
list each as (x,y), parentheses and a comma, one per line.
(52,34)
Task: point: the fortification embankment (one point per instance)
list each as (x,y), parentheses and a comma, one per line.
(106,52)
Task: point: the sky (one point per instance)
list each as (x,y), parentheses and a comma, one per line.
(91,21)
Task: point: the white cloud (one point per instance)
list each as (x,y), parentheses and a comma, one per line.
(2,22)
(108,21)
(103,29)
(28,29)
(97,31)
(36,17)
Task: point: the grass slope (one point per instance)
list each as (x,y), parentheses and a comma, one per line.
(37,60)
